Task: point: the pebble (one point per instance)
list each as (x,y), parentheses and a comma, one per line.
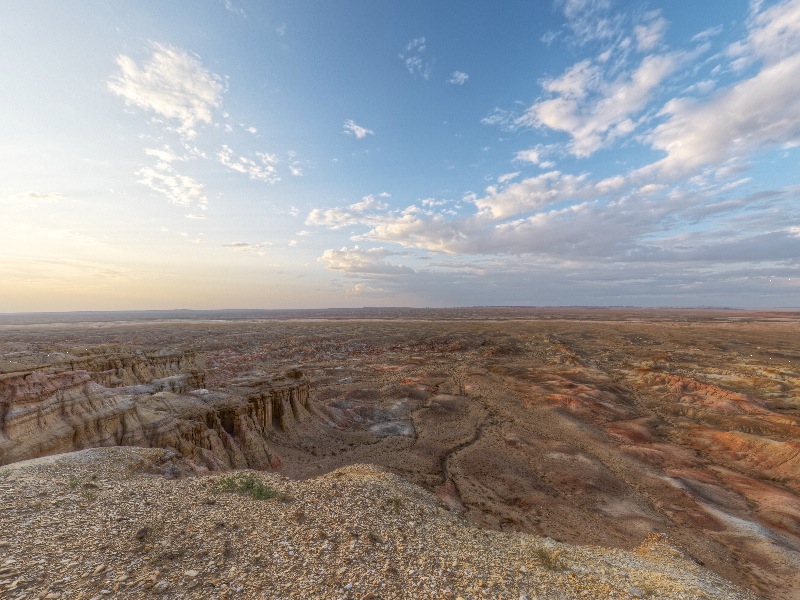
(425,566)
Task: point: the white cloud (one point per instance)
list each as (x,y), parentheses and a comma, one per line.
(531,155)
(173,84)
(590,21)
(361,289)
(458,78)
(649,34)
(774,34)
(533,193)
(180,189)
(505,177)
(594,111)
(39,197)
(500,118)
(263,170)
(335,218)
(259,249)
(754,114)
(353,129)
(196,217)
(359,260)
(413,57)
(164,154)
(231,7)
(708,33)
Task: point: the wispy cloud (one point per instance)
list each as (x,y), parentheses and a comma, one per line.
(757,113)
(233,8)
(593,110)
(260,248)
(164,154)
(458,78)
(180,189)
(415,59)
(262,169)
(650,33)
(39,197)
(335,218)
(172,84)
(354,129)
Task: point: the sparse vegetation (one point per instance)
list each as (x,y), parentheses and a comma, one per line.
(550,559)
(247,484)
(396,504)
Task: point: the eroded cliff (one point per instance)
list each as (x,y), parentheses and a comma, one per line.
(148,399)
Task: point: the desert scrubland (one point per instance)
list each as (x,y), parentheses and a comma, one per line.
(582,427)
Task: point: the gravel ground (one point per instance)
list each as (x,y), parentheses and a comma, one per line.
(131,523)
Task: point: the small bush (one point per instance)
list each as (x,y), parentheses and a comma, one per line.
(396,504)
(550,559)
(248,485)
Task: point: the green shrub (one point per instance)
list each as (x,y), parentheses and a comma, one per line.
(247,484)
(550,559)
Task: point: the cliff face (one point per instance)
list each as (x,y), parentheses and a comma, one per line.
(113,367)
(46,411)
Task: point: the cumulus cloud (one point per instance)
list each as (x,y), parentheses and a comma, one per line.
(458,78)
(354,129)
(534,193)
(358,212)
(179,189)
(362,289)
(357,260)
(415,60)
(760,112)
(594,111)
(690,222)
(172,84)
(262,169)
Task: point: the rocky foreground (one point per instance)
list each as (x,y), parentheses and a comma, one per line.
(135,522)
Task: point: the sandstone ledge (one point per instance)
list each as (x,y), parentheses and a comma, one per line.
(106,522)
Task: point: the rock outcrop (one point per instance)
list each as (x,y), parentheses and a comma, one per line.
(65,406)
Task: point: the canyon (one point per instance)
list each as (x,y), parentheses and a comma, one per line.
(590,427)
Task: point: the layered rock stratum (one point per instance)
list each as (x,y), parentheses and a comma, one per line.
(580,427)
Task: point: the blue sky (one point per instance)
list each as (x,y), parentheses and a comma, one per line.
(231,154)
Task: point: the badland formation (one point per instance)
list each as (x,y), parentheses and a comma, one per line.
(565,438)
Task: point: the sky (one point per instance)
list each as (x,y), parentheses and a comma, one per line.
(302,154)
